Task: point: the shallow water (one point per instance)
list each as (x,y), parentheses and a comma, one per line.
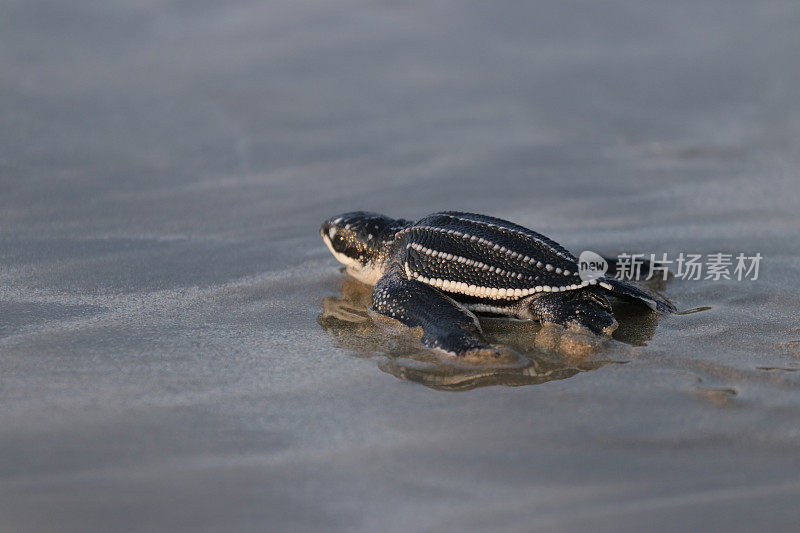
(166,361)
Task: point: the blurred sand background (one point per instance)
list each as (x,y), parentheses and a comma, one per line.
(164,167)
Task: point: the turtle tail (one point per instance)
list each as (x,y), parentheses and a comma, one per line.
(628,291)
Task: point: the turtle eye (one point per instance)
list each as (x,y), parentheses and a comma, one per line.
(338,242)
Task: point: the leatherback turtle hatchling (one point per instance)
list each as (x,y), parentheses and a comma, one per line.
(434,273)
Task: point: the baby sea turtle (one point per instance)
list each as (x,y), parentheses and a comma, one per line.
(435,273)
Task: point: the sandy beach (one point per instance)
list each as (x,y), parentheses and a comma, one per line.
(180,352)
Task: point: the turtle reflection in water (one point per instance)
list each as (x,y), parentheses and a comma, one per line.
(346,320)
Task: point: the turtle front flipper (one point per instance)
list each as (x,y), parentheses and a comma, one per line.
(445,325)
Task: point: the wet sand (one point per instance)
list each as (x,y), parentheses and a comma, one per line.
(179,351)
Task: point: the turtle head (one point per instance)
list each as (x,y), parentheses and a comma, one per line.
(360,240)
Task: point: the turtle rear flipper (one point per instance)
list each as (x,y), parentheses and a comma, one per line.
(587,309)
(445,325)
(628,291)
